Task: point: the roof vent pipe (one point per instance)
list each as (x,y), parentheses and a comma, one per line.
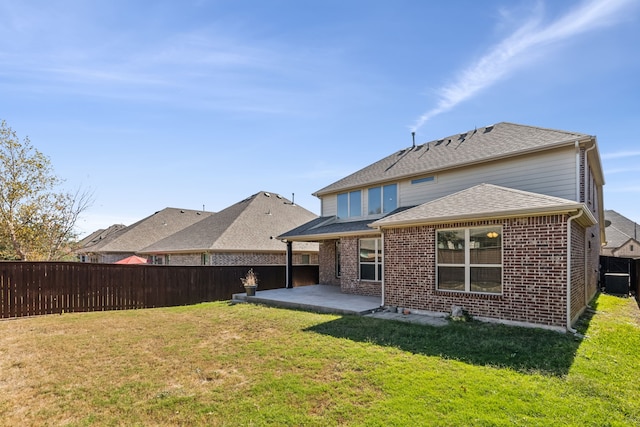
(413,137)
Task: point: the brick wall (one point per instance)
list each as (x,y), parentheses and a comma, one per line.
(327,262)
(240,258)
(578,271)
(110,258)
(534,271)
(350,282)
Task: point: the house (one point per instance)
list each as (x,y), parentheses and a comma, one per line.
(242,234)
(127,241)
(622,236)
(504,221)
(94,238)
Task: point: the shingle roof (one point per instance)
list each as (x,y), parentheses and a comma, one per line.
(327,226)
(477,145)
(481,202)
(148,230)
(99,235)
(249,225)
(619,229)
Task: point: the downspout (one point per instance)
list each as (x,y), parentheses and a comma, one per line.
(571,218)
(586,232)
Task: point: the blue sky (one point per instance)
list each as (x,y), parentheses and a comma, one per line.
(154,104)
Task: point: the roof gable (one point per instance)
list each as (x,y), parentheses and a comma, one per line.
(475,146)
(619,229)
(249,225)
(150,229)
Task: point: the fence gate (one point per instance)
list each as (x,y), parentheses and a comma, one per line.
(617,275)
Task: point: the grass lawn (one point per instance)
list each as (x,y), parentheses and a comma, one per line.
(217,364)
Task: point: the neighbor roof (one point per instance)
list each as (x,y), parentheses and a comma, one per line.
(475,146)
(619,229)
(250,225)
(99,235)
(148,230)
(485,201)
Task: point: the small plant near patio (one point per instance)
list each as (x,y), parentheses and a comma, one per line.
(250,282)
(250,279)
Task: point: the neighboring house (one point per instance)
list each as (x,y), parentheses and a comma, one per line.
(623,236)
(94,238)
(129,240)
(242,234)
(504,221)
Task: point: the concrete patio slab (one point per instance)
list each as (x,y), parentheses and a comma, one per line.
(329,299)
(319,298)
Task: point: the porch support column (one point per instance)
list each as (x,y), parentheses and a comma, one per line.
(289,284)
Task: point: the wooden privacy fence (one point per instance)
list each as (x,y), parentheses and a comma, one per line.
(34,288)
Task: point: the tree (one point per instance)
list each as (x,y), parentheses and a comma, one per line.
(37,220)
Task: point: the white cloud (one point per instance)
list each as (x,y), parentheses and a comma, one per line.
(620,155)
(526,42)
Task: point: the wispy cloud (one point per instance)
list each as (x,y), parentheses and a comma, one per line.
(619,170)
(512,52)
(623,189)
(620,155)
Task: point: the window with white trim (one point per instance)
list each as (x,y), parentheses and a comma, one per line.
(370,259)
(350,204)
(469,259)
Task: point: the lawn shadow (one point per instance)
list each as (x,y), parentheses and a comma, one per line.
(526,350)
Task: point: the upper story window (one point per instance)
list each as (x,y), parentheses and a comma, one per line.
(350,204)
(382,199)
(423,179)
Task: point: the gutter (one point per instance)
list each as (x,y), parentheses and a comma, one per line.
(571,218)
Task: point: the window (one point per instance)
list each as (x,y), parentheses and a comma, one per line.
(382,199)
(470,260)
(337,258)
(371,259)
(350,204)
(167,258)
(425,179)
(204,259)
(305,259)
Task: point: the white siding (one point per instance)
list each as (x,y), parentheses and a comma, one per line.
(551,173)
(329,205)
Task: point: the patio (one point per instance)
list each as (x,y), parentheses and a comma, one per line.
(329,299)
(319,298)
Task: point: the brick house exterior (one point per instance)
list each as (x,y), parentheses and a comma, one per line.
(525,201)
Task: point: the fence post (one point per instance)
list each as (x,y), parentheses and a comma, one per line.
(289,264)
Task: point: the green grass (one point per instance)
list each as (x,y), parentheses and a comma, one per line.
(217,364)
